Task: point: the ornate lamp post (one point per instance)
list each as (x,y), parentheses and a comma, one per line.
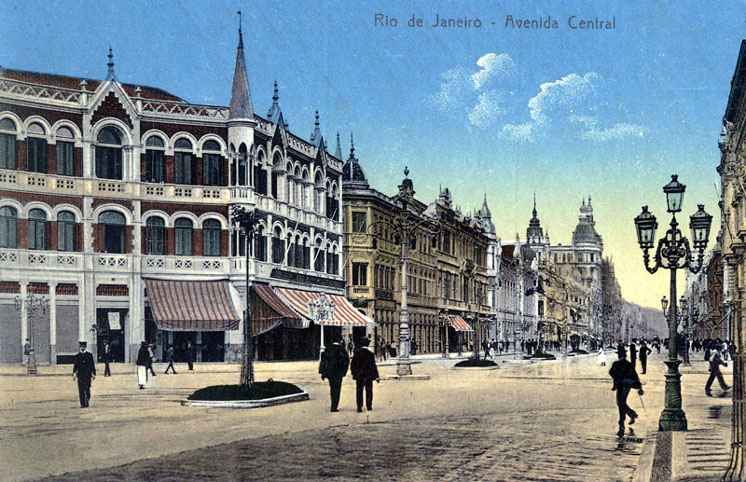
(322,312)
(673,253)
(247,221)
(443,323)
(405,225)
(35,306)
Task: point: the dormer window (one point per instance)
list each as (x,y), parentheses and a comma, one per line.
(155,154)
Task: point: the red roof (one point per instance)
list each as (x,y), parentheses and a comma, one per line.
(65,82)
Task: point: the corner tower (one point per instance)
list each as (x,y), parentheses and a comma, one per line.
(241,120)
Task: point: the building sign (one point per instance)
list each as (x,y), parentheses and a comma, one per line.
(114,323)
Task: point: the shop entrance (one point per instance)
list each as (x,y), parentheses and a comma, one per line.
(111,323)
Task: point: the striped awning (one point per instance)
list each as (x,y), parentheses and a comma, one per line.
(344,313)
(269,311)
(192,305)
(459,324)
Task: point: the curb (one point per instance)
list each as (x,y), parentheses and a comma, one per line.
(476,368)
(644,470)
(407,377)
(267,402)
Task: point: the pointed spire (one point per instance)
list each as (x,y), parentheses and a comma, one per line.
(276,95)
(110,65)
(338,151)
(275,113)
(316,135)
(240,107)
(352,146)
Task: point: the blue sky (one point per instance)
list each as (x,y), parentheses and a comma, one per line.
(506,112)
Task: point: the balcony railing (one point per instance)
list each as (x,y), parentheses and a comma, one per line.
(185,265)
(46,260)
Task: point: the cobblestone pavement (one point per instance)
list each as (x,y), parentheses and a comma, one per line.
(543,421)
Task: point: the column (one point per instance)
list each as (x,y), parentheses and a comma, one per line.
(53,322)
(24,314)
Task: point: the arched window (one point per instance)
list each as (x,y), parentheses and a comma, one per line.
(66,231)
(319,257)
(183,159)
(155,155)
(260,245)
(260,176)
(155,235)
(8,227)
(65,152)
(276,168)
(211,163)
(37,229)
(317,192)
(332,261)
(36,149)
(7,144)
(291,251)
(113,225)
(109,154)
(278,247)
(298,252)
(242,166)
(183,237)
(211,237)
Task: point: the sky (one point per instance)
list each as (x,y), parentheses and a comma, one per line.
(499,110)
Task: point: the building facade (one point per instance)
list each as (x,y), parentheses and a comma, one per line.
(116,204)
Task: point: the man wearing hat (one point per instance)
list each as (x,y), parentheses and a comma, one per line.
(334,364)
(143,359)
(625,379)
(84,370)
(364,371)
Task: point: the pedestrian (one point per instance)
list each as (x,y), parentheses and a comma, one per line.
(384,350)
(633,354)
(364,371)
(715,363)
(27,350)
(334,364)
(625,379)
(486,348)
(190,355)
(644,352)
(107,359)
(413,347)
(84,369)
(602,357)
(143,358)
(151,358)
(170,358)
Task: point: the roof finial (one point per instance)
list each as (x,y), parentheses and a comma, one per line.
(240,34)
(406,171)
(352,145)
(110,65)
(317,119)
(276,95)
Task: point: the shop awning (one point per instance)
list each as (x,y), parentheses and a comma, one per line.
(459,324)
(344,313)
(192,305)
(269,311)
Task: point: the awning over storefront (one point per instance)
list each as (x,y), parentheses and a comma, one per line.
(269,311)
(344,313)
(192,305)
(459,324)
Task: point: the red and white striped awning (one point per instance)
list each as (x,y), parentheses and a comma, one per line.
(192,305)
(459,324)
(269,311)
(344,313)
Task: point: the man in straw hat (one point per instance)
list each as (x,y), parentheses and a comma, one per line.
(625,379)
(84,369)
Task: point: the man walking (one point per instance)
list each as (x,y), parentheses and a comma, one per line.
(190,356)
(715,372)
(143,358)
(170,358)
(334,364)
(364,371)
(625,379)
(107,359)
(84,369)
(644,351)
(633,354)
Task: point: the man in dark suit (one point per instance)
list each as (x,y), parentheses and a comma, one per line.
(364,371)
(84,369)
(334,364)
(633,354)
(644,351)
(625,379)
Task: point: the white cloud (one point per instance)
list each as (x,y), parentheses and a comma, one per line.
(492,66)
(565,92)
(519,132)
(487,110)
(453,90)
(618,131)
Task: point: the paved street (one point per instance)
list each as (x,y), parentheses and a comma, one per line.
(549,420)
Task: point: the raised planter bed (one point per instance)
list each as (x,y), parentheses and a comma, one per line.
(472,364)
(261,394)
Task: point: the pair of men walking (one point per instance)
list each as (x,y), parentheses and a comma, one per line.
(334,364)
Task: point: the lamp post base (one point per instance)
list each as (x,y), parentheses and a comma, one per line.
(673,418)
(31,364)
(403,366)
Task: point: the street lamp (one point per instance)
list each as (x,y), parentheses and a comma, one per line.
(34,305)
(322,312)
(673,252)
(405,225)
(443,322)
(247,220)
